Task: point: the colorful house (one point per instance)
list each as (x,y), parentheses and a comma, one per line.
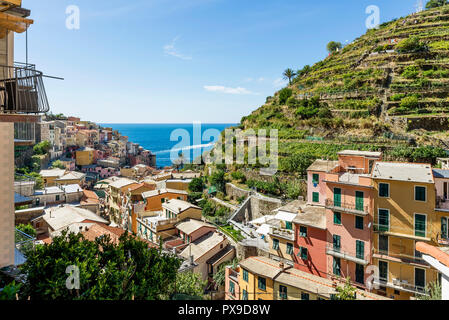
(405,198)
(85,156)
(349,211)
(316,187)
(441,178)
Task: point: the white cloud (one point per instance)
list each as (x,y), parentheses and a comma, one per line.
(228,90)
(170,49)
(279,82)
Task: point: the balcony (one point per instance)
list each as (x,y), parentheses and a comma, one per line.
(401,284)
(344,254)
(347,207)
(24,134)
(283,233)
(399,257)
(24,243)
(442,204)
(22,90)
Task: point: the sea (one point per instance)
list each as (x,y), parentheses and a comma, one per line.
(162,139)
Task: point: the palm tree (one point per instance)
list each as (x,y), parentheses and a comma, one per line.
(289,74)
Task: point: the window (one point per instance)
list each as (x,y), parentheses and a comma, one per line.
(303,253)
(360,249)
(245,275)
(359,274)
(337,197)
(288,225)
(305,296)
(337,266)
(232,287)
(303,232)
(383,244)
(359,222)
(420,225)
(384,220)
(282,292)
(420,279)
(163,200)
(384,190)
(444,227)
(315,179)
(359,200)
(315,197)
(244,295)
(275,244)
(38,201)
(420,193)
(383,271)
(262,283)
(289,248)
(337,243)
(58,197)
(337,218)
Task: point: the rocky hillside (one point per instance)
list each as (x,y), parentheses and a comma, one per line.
(392,83)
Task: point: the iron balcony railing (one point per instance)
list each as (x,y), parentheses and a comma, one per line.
(347,207)
(22,90)
(340,252)
(24,242)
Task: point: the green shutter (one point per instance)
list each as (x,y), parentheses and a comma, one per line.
(275,244)
(384,220)
(315,197)
(337,243)
(303,232)
(289,248)
(304,253)
(337,218)
(420,193)
(420,225)
(384,191)
(359,201)
(316,178)
(336,266)
(245,275)
(337,197)
(444,227)
(288,225)
(360,249)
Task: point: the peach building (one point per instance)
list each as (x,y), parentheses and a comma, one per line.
(349,215)
(316,188)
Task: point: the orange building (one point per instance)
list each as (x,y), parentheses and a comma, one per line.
(154,199)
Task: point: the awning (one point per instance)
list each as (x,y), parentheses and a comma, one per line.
(9,22)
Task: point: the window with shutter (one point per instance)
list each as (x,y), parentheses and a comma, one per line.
(289,248)
(337,266)
(360,249)
(444,229)
(315,197)
(315,178)
(384,190)
(275,244)
(337,218)
(303,232)
(359,201)
(420,193)
(420,225)
(337,197)
(359,222)
(336,243)
(384,220)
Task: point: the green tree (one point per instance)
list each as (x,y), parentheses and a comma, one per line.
(107,271)
(58,164)
(433,292)
(284,94)
(220,276)
(436,3)
(333,46)
(348,292)
(188,283)
(196,185)
(10,291)
(411,44)
(289,74)
(38,180)
(42,148)
(218,180)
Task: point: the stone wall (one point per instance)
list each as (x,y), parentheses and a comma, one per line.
(234,192)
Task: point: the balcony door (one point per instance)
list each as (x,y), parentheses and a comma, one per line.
(337,197)
(359,200)
(359,274)
(420,279)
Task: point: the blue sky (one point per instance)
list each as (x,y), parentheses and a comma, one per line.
(179,61)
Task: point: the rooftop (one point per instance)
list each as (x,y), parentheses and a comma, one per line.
(202,245)
(52,173)
(440,173)
(192,225)
(312,216)
(72,188)
(292,207)
(366,154)
(72,175)
(178,205)
(121,182)
(152,193)
(48,190)
(397,171)
(323,165)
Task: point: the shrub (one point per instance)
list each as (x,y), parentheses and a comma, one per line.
(409,102)
(284,94)
(410,45)
(237,175)
(411,72)
(436,3)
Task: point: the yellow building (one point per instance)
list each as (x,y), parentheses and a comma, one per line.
(281,236)
(404,199)
(85,156)
(51,175)
(261,278)
(72,177)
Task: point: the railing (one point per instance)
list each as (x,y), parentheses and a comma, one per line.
(283,233)
(24,242)
(407,258)
(24,131)
(22,90)
(345,254)
(347,207)
(401,284)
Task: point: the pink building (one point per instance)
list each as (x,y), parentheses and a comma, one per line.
(316,188)
(441,178)
(349,215)
(232,288)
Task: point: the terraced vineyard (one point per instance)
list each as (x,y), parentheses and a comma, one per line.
(394,79)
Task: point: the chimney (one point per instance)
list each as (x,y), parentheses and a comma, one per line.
(281,265)
(179,209)
(191,260)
